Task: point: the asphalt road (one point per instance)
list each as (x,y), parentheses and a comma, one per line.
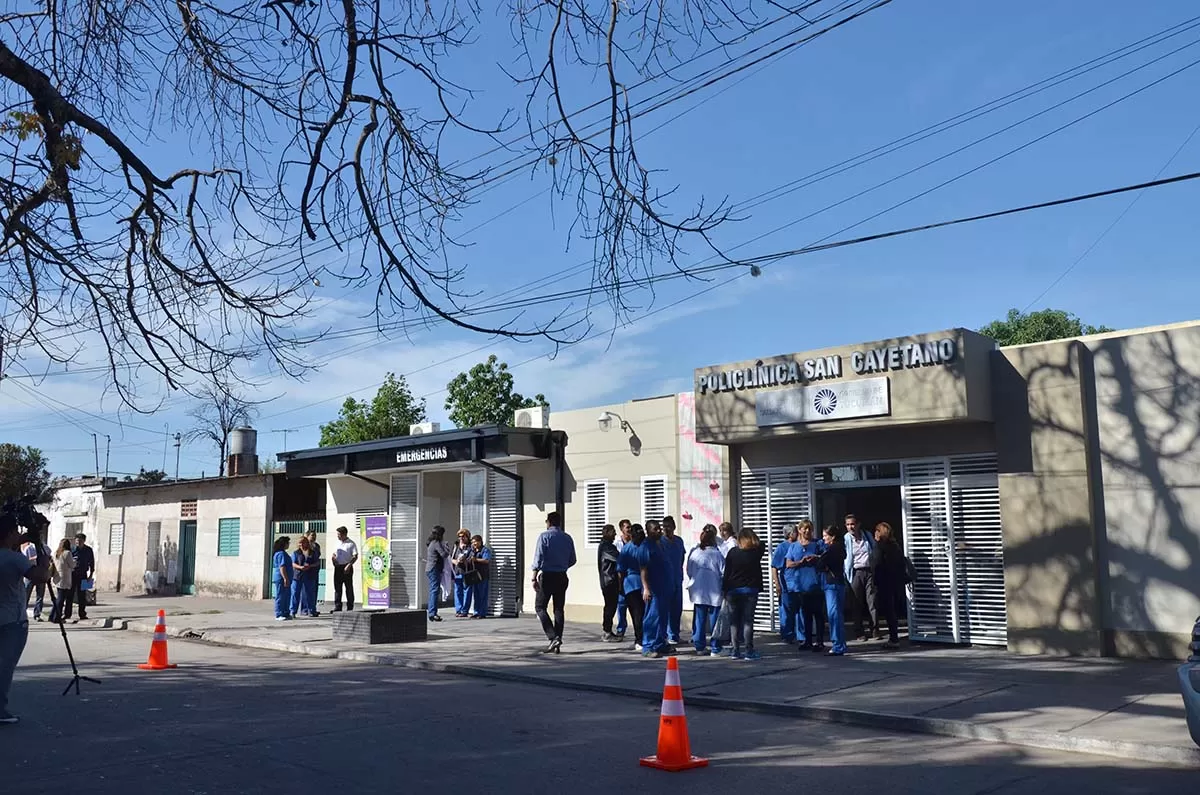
(236,721)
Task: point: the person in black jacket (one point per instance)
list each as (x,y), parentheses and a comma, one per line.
(610,581)
(85,568)
(888,562)
(742,583)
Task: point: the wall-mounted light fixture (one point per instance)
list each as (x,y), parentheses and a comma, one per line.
(605,421)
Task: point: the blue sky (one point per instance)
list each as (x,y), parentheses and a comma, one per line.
(888,74)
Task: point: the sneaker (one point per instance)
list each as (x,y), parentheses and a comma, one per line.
(336,609)
(620,636)
(833,653)
(608,637)
(281,618)
(655,654)
(8,719)
(753,655)
(638,647)
(670,649)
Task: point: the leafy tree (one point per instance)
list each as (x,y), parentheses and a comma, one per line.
(24,473)
(390,413)
(1020,328)
(219,411)
(485,396)
(146,476)
(299,127)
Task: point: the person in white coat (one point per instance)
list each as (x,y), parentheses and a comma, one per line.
(705,567)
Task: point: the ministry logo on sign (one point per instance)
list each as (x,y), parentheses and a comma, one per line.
(825,402)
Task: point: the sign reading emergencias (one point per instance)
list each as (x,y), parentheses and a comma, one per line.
(868,397)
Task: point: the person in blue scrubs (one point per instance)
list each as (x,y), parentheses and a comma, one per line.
(657,582)
(281,577)
(831,563)
(630,572)
(676,553)
(302,571)
(804,589)
(460,558)
(788,613)
(624,536)
(481,558)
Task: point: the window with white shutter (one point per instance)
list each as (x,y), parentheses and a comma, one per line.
(595,510)
(654,498)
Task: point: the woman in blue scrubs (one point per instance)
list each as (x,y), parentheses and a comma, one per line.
(481,559)
(281,576)
(804,588)
(305,566)
(629,570)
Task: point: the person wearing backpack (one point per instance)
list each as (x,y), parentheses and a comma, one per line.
(891,575)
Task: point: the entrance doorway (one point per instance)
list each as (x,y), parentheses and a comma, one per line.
(869,504)
(187,557)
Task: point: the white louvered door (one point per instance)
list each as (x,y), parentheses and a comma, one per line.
(979,550)
(771,502)
(928,543)
(502,526)
(407,571)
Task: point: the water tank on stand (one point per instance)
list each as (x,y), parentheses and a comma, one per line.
(243,452)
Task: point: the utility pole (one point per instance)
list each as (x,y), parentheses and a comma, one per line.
(96,451)
(178,442)
(166,439)
(285,432)
(107,450)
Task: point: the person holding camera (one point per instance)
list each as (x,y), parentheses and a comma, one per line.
(15,568)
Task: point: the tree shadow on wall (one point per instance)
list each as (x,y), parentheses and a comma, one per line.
(1135,568)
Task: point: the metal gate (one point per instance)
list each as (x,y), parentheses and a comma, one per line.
(978,550)
(770,502)
(953,536)
(294,528)
(406,572)
(928,543)
(503,530)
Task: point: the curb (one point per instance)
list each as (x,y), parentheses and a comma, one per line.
(887,721)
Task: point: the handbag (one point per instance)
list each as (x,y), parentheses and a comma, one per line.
(472,576)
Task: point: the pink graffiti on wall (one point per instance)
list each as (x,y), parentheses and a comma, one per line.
(700,465)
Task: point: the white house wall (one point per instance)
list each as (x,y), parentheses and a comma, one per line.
(245,498)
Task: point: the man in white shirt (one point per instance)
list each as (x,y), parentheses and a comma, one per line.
(721,632)
(725,531)
(860,579)
(31,553)
(344,556)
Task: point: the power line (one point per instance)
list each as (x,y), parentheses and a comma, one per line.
(768,259)
(1137,197)
(787,188)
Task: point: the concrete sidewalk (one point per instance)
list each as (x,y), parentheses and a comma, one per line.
(1123,708)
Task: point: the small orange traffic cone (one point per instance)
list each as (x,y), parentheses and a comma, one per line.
(674,748)
(158,646)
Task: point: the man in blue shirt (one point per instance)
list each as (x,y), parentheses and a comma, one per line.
(657,582)
(553,554)
(673,545)
(624,536)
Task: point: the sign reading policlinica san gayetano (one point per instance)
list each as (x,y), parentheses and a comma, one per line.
(884,359)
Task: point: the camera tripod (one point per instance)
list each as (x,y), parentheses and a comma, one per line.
(62,627)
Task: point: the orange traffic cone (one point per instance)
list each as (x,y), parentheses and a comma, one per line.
(158,646)
(674,748)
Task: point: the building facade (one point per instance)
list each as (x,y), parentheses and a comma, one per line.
(1048,495)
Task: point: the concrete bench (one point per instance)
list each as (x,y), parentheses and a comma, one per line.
(380,626)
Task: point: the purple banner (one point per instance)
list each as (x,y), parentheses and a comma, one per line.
(376,561)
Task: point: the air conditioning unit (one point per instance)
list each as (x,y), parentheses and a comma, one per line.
(536,417)
(424,427)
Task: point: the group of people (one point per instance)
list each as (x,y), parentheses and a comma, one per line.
(645,570)
(874,573)
(72,566)
(297,575)
(464,570)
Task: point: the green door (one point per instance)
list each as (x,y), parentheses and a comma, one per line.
(187,556)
